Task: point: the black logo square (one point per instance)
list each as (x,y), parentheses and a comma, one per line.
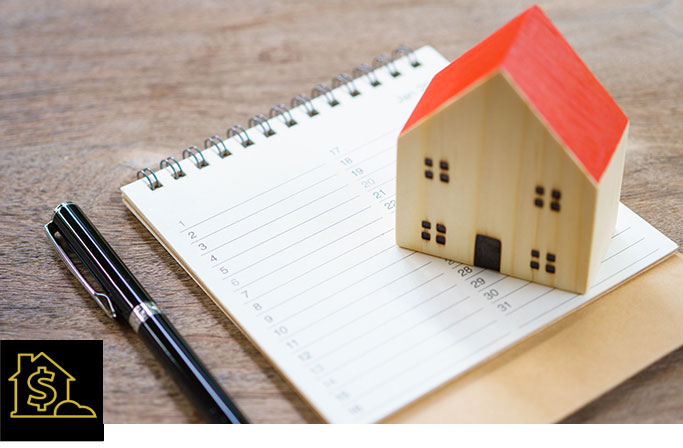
(51,390)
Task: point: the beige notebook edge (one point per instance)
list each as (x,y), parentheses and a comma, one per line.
(569,363)
(527,382)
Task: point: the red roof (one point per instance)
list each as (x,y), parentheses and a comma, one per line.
(553,79)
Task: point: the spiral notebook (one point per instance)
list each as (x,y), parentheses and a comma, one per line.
(289,227)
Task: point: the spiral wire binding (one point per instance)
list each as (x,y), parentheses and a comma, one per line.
(408,52)
(323,89)
(196,154)
(369,72)
(262,121)
(146,173)
(216,141)
(303,100)
(171,162)
(344,79)
(237,131)
(284,113)
(385,61)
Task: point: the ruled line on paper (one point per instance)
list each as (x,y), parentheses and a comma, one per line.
(475,274)
(377,153)
(383,167)
(185,229)
(393,179)
(316,267)
(449,367)
(287,230)
(357,318)
(373,140)
(320,319)
(394,335)
(622,250)
(422,360)
(617,234)
(404,349)
(321,337)
(272,221)
(502,277)
(529,302)
(195,241)
(623,269)
(394,262)
(318,249)
(573,296)
(511,292)
(301,240)
(377,327)
(330,278)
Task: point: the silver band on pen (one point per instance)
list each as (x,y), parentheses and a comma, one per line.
(141,313)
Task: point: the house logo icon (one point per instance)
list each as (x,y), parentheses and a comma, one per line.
(42,389)
(51,390)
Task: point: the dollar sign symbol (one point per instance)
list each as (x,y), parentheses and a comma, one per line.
(45,393)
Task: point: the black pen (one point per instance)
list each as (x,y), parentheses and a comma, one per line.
(124,296)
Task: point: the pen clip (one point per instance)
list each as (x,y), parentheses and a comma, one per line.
(99,297)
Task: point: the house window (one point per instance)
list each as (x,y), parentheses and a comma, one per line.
(440,229)
(444,168)
(429,174)
(555,204)
(426,225)
(538,201)
(555,196)
(441,239)
(550,265)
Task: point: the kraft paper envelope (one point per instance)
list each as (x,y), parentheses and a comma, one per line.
(561,368)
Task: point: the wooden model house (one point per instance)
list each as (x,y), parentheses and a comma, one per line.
(513,159)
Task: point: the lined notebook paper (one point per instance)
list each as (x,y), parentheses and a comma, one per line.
(293,238)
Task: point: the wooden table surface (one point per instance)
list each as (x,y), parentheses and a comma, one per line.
(93,91)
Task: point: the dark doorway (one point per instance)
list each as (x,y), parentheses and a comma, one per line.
(487,252)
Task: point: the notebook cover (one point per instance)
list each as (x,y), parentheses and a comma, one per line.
(553,373)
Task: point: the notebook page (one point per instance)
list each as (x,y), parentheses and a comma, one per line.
(293,238)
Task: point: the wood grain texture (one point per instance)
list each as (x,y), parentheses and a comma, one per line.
(502,163)
(93,91)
